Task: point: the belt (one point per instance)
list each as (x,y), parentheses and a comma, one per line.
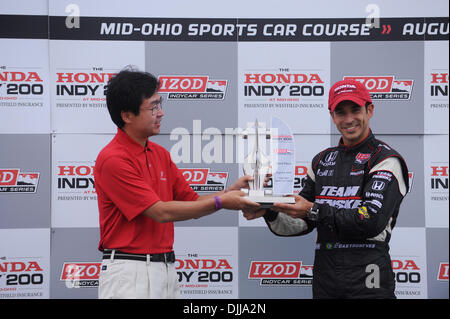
(117,254)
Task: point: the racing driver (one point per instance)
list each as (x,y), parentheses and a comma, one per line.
(351,195)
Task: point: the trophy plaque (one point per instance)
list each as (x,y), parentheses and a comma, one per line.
(279,162)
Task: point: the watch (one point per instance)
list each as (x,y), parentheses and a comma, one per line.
(313,213)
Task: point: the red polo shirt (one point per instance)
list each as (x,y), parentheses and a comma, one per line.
(129,178)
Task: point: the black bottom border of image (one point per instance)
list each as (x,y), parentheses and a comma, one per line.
(225,308)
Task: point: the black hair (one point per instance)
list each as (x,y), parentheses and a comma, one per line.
(126,91)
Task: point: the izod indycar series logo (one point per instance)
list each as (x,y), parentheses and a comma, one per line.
(281,273)
(203,180)
(12,180)
(385,87)
(80,274)
(19,88)
(192,87)
(443,271)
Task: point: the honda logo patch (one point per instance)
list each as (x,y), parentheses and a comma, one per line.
(378,185)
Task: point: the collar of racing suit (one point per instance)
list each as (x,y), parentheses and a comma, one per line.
(344,148)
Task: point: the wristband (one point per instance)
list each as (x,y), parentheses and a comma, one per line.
(217,202)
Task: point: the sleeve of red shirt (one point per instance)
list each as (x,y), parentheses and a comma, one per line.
(124,186)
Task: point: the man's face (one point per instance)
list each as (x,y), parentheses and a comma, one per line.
(352,121)
(148,121)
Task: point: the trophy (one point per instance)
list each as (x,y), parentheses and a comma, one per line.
(279,162)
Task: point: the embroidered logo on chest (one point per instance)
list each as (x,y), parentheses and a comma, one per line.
(362,158)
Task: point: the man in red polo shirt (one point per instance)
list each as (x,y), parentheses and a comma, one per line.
(141,193)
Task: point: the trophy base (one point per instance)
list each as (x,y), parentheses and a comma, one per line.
(268,201)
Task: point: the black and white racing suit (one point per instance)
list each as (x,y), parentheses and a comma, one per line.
(357,191)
